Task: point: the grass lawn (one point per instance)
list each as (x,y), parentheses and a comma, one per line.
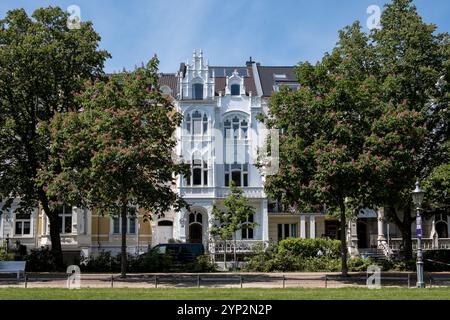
(224,294)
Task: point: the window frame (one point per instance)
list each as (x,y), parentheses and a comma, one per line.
(63,216)
(290,227)
(119,219)
(197,88)
(245,229)
(22,222)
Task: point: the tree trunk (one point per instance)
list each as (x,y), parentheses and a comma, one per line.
(55,236)
(406,233)
(123,264)
(405,228)
(343,222)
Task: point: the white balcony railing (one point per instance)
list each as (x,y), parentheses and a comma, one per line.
(427,243)
(242,246)
(219,192)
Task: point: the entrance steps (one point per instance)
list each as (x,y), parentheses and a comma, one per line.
(375,254)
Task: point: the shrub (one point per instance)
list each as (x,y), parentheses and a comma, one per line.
(5,256)
(103,262)
(309,248)
(436,260)
(41,260)
(359,264)
(152,261)
(202,264)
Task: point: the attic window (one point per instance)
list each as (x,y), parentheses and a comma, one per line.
(279,76)
(235,90)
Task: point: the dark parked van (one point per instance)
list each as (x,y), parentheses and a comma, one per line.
(182,252)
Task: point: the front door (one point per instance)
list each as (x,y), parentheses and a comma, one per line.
(195,233)
(362,234)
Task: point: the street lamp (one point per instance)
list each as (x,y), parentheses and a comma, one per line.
(417,196)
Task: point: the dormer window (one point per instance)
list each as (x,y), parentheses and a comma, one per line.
(197,91)
(235,90)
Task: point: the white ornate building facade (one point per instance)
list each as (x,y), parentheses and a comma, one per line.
(219,138)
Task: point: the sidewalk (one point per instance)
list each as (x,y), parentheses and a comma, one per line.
(224,280)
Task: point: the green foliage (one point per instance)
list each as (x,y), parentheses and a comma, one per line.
(149,262)
(41,260)
(310,248)
(295,254)
(115,153)
(4,256)
(368,120)
(43,65)
(234,218)
(437,188)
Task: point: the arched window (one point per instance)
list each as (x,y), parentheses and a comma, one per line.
(199,173)
(247,229)
(235,90)
(197,91)
(235,127)
(196,123)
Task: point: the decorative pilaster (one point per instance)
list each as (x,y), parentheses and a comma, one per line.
(312,226)
(352,237)
(380,220)
(302,227)
(264,221)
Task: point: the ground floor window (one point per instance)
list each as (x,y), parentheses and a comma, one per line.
(332,229)
(23,224)
(287,230)
(65,218)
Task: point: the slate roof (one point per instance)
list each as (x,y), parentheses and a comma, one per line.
(268,80)
(170,80)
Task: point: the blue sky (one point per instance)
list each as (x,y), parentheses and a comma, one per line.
(281,32)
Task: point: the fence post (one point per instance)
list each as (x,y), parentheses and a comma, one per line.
(326,281)
(240,280)
(112,281)
(409,280)
(431,279)
(156,281)
(198,281)
(26,281)
(284,281)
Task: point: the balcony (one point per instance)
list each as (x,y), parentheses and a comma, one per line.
(242,246)
(220,192)
(427,243)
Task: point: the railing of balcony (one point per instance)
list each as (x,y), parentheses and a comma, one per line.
(427,243)
(220,192)
(242,246)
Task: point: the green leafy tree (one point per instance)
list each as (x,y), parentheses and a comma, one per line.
(235,217)
(409,139)
(323,127)
(115,153)
(43,65)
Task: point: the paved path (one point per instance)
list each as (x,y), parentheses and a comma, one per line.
(223,280)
